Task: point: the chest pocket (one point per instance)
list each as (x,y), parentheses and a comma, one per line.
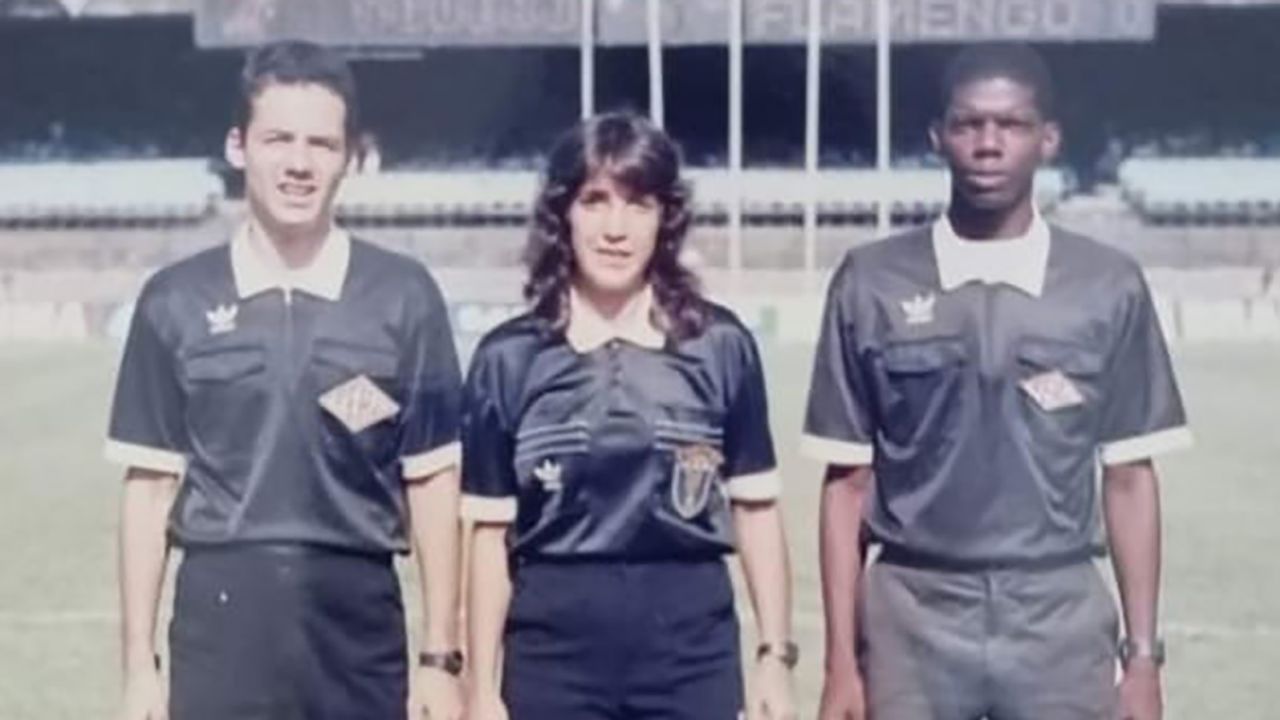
(1060,394)
(225,384)
(921,389)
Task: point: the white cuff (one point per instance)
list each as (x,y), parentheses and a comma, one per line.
(482,508)
(756,487)
(836,452)
(431,462)
(144,457)
(1142,447)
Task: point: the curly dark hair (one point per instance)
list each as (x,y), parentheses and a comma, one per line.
(644,160)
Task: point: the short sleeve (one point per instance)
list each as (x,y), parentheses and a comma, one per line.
(429,370)
(837,426)
(1143,416)
(147,427)
(750,466)
(488,471)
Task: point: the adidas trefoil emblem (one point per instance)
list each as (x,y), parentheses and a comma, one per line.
(222,319)
(548,473)
(919,309)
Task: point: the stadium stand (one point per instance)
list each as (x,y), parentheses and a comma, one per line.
(842,195)
(121,192)
(1238,190)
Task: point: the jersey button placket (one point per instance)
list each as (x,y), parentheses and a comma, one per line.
(615,364)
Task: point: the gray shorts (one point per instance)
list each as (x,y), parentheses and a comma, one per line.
(1003,644)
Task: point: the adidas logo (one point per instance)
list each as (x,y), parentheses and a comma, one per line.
(548,473)
(222,319)
(919,309)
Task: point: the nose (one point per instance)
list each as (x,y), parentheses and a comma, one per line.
(615,222)
(297,160)
(989,140)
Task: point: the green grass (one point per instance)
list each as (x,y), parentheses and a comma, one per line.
(58,517)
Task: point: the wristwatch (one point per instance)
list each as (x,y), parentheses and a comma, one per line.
(788,653)
(449,661)
(1130,648)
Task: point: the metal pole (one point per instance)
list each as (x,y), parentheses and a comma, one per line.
(654,17)
(813,47)
(587,60)
(884,97)
(735,136)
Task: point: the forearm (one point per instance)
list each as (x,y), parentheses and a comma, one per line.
(1131,503)
(840,519)
(144,511)
(762,544)
(433,517)
(487,603)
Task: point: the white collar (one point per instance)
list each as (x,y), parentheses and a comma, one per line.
(1020,262)
(588,329)
(257,267)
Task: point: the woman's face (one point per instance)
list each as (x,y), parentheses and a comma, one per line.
(613,233)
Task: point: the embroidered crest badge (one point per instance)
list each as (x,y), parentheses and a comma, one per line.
(1052,391)
(359,404)
(693,477)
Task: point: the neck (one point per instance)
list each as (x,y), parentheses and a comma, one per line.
(981,224)
(610,305)
(295,247)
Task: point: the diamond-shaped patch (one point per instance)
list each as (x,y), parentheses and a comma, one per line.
(359,404)
(1052,391)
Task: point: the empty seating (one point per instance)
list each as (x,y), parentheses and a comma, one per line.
(1203,190)
(121,191)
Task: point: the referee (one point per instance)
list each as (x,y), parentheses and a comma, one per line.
(617,448)
(971,378)
(287,408)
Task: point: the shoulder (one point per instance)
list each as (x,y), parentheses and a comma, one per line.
(170,289)
(392,269)
(726,335)
(902,252)
(510,345)
(1105,266)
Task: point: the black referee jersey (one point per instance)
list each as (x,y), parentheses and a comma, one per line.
(985,382)
(620,452)
(293,414)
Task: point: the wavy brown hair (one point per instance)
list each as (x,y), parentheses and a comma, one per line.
(643,160)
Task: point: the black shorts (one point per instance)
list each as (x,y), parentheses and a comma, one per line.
(285,632)
(614,640)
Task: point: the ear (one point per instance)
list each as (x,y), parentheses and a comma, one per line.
(1050,141)
(935,136)
(233,148)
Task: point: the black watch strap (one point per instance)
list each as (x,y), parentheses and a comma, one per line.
(449,661)
(788,653)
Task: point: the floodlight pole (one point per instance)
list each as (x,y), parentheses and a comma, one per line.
(654,23)
(735,136)
(587,60)
(813,54)
(884,96)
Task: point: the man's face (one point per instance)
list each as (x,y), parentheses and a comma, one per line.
(993,138)
(293,152)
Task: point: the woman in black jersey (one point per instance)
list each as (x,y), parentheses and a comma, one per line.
(616,448)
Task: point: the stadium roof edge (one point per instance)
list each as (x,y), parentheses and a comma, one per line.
(127,8)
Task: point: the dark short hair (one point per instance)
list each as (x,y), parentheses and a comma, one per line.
(296,62)
(643,160)
(1013,61)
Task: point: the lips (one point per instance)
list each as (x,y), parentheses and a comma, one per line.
(295,191)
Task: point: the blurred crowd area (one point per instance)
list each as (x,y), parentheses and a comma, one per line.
(138,87)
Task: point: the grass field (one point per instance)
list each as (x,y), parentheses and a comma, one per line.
(1222,586)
